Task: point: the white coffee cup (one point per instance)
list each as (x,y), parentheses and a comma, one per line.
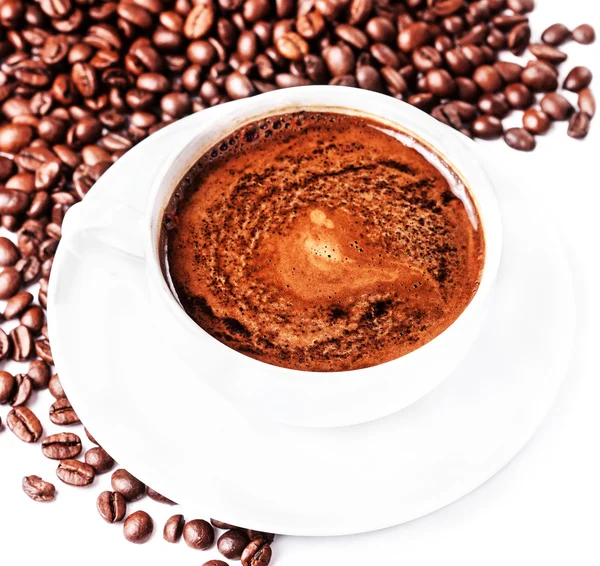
(290,396)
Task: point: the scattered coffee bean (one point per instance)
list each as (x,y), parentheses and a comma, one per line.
(584,34)
(198,534)
(138,527)
(587,102)
(39,374)
(10,278)
(257,553)
(62,413)
(536,121)
(99,459)
(111,506)
(173,528)
(232,543)
(215,563)
(127,485)
(42,349)
(487,127)
(579,125)
(22,343)
(61,446)
(556,106)
(556,34)
(9,254)
(222,525)
(22,391)
(7,387)
(520,139)
(158,497)
(17,304)
(518,96)
(540,78)
(548,53)
(38,489)
(578,79)
(75,473)
(55,388)
(267,537)
(24,424)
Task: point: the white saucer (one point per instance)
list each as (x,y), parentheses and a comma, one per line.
(185,441)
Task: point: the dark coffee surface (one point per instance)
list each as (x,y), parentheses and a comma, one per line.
(320,242)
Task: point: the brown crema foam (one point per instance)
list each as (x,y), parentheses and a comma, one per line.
(320,242)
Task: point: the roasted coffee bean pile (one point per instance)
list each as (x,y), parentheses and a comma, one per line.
(82,81)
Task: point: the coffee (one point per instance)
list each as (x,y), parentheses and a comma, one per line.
(321,241)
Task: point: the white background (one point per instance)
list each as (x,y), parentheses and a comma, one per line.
(543,508)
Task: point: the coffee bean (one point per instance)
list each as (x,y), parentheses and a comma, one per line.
(138,527)
(215,563)
(359,11)
(267,537)
(221,525)
(519,139)
(257,553)
(520,6)
(494,105)
(173,528)
(579,125)
(61,446)
(381,30)
(199,20)
(536,121)
(584,34)
(39,374)
(22,392)
(42,349)
(413,36)
(232,543)
(111,506)
(17,304)
(9,254)
(7,387)
(340,60)
(547,53)
(13,202)
(38,489)
(29,268)
(518,38)
(587,102)
(426,58)
(556,106)
(14,137)
(154,495)
(556,34)
(55,388)
(84,79)
(99,459)
(22,343)
(352,35)
(24,424)
(578,79)
(539,77)
(518,96)
(488,78)
(198,534)
(5,345)
(75,473)
(440,83)
(62,413)
(127,485)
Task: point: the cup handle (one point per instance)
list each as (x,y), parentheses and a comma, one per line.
(100,227)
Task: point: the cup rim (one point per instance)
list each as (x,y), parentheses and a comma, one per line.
(424,128)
